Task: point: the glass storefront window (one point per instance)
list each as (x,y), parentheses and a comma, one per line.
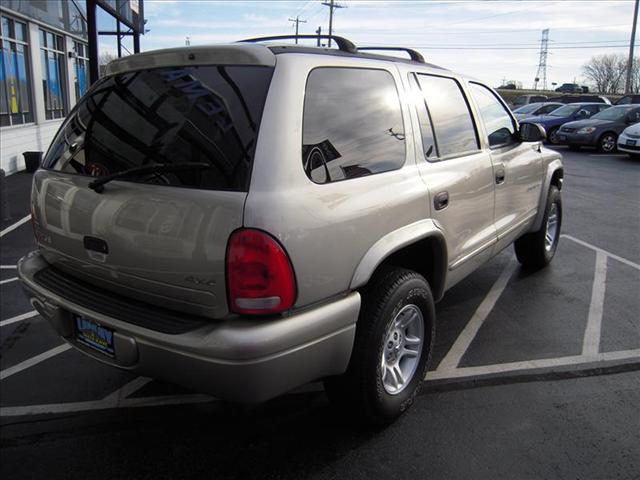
(81,69)
(15,81)
(53,74)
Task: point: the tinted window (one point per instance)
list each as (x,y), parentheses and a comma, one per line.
(614,113)
(426,128)
(566,110)
(497,121)
(167,116)
(547,109)
(624,101)
(527,108)
(352,124)
(452,122)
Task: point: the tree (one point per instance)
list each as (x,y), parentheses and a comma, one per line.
(103,59)
(606,72)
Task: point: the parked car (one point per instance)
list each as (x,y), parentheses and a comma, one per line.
(629,99)
(263,216)
(629,141)
(536,109)
(526,99)
(601,130)
(569,88)
(573,111)
(580,98)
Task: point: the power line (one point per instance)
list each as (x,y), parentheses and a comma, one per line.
(297,21)
(332,6)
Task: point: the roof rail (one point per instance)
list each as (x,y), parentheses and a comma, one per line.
(414,54)
(343,44)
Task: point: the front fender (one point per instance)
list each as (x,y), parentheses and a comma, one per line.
(552,167)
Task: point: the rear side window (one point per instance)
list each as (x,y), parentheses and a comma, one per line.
(497,121)
(450,115)
(208,114)
(352,124)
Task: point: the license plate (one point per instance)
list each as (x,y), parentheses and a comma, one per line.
(631,143)
(562,137)
(94,335)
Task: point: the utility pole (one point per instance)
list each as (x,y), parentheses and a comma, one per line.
(332,6)
(297,20)
(627,88)
(187,41)
(542,62)
(319,32)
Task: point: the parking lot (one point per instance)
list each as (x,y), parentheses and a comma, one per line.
(534,375)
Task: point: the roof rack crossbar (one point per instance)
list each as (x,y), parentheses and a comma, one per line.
(343,44)
(414,54)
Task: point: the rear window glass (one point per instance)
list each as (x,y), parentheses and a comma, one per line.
(207,114)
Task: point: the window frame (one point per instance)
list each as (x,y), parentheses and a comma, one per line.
(400,106)
(50,114)
(4,37)
(474,122)
(76,61)
(514,122)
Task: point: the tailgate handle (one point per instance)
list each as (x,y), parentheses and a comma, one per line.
(96,244)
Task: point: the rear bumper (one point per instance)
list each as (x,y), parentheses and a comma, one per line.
(244,360)
(576,139)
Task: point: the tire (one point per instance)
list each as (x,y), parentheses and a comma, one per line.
(553,137)
(574,148)
(534,250)
(608,143)
(367,390)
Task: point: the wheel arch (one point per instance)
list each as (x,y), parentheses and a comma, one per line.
(554,176)
(420,247)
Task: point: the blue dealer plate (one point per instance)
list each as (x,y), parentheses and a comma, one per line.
(631,143)
(94,335)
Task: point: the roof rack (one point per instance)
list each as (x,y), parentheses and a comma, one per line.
(414,54)
(343,44)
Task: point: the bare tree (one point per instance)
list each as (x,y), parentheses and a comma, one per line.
(103,59)
(606,72)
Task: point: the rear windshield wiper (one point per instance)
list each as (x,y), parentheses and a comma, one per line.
(98,184)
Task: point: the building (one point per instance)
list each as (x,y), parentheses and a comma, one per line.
(43,72)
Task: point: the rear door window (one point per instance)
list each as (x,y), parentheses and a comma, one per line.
(207,114)
(449,111)
(353,124)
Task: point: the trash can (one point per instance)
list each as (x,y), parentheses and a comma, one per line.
(32,160)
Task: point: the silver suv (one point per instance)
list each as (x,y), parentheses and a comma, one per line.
(243,219)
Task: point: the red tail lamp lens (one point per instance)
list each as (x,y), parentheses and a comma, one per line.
(260,278)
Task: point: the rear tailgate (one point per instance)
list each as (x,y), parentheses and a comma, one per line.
(159,238)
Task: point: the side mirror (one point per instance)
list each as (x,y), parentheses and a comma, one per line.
(532,132)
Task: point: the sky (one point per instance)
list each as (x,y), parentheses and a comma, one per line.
(492,40)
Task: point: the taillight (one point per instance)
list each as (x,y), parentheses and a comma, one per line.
(260,278)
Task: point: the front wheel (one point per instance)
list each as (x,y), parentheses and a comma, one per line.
(392,349)
(607,143)
(535,250)
(553,136)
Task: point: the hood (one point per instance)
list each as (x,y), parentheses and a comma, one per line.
(633,129)
(589,122)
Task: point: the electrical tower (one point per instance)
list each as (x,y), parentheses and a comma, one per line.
(332,6)
(297,22)
(542,63)
(187,41)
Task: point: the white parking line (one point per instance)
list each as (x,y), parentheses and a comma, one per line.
(8,280)
(11,228)
(18,318)
(532,364)
(598,249)
(126,390)
(7,372)
(591,340)
(8,267)
(460,346)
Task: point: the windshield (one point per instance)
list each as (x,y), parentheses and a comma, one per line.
(169,116)
(566,111)
(527,108)
(521,100)
(613,113)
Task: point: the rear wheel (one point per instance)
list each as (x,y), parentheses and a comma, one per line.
(607,143)
(536,249)
(394,339)
(552,136)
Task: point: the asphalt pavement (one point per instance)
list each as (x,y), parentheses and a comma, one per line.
(534,375)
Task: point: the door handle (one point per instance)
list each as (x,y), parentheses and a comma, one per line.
(441,200)
(500,175)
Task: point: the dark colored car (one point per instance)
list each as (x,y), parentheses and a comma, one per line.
(573,111)
(628,99)
(601,130)
(569,88)
(527,99)
(535,109)
(580,98)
